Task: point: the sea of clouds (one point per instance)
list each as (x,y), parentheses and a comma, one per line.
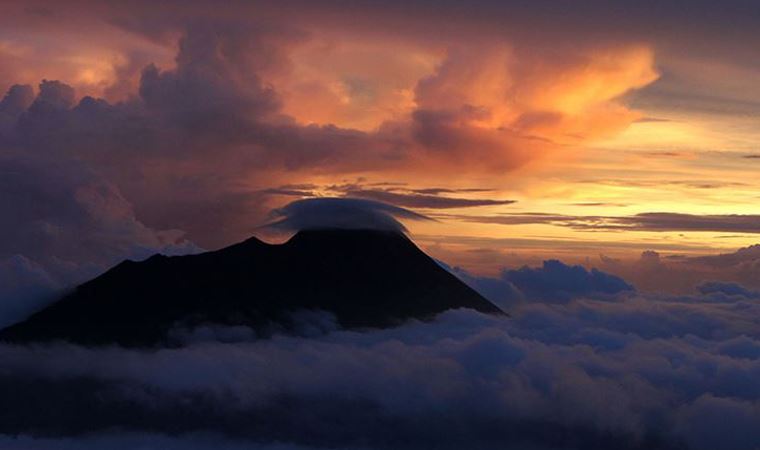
(620,370)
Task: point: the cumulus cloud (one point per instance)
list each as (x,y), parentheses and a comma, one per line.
(741,257)
(187,138)
(665,270)
(14,103)
(214,128)
(681,273)
(62,224)
(344,213)
(553,282)
(216,82)
(24,287)
(496,100)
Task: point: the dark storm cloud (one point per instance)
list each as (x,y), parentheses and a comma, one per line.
(735,19)
(77,175)
(192,136)
(700,27)
(344,213)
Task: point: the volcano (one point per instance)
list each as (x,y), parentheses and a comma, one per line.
(365,278)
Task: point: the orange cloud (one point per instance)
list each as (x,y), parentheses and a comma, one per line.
(244,106)
(584,95)
(352,84)
(486,106)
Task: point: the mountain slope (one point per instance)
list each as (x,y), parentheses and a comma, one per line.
(365,278)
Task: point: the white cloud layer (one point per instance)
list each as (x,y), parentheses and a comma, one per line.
(636,371)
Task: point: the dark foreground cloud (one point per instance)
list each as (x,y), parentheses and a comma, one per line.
(142,441)
(344,213)
(728,289)
(643,372)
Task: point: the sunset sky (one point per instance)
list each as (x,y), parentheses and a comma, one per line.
(622,135)
(579,181)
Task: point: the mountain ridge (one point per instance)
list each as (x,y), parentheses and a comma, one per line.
(366,278)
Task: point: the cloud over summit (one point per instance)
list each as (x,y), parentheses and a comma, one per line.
(342,213)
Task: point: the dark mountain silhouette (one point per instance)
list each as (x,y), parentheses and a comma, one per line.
(365,278)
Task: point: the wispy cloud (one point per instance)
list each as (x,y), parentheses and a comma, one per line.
(427,201)
(394,193)
(653,221)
